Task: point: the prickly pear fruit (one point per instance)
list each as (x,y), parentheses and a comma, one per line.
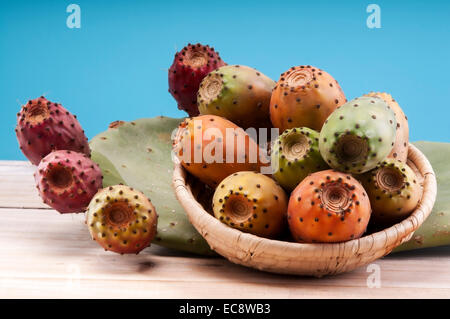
(43,126)
(358,135)
(67,181)
(295,155)
(251,202)
(189,67)
(211,148)
(239,93)
(122,219)
(145,146)
(304,97)
(394,191)
(328,206)
(400,149)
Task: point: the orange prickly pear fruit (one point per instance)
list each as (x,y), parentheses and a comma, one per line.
(328,207)
(251,202)
(304,97)
(211,148)
(400,149)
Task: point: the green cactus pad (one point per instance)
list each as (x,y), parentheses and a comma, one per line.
(138,154)
(435,231)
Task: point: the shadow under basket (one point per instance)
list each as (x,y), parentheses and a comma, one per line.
(317,259)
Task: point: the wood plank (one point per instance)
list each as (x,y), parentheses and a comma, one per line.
(17,186)
(48,255)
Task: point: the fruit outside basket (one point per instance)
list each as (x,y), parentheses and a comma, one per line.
(317,259)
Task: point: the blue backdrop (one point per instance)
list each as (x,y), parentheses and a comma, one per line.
(115,66)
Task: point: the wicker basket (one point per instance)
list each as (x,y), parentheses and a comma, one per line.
(317,259)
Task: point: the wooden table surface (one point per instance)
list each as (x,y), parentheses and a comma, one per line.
(44,254)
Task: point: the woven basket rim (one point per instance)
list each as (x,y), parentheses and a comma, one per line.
(203,221)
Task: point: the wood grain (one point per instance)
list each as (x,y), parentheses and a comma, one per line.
(48,255)
(17,186)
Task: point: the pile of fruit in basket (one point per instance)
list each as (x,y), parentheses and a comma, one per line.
(337,166)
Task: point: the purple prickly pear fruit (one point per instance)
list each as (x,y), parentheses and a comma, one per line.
(251,202)
(43,127)
(295,155)
(122,219)
(394,191)
(67,181)
(358,135)
(401,144)
(238,93)
(189,67)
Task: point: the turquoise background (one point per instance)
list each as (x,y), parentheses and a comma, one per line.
(115,66)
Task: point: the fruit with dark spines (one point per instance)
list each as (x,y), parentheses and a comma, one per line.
(295,154)
(328,207)
(401,144)
(67,181)
(238,93)
(122,219)
(144,162)
(44,126)
(358,135)
(251,202)
(304,97)
(211,148)
(188,69)
(394,191)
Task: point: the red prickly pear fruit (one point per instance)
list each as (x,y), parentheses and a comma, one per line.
(401,144)
(67,181)
(328,207)
(304,97)
(188,69)
(394,191)
(239,93)
(251,202)
(122,219)
(212,148)
(43,127)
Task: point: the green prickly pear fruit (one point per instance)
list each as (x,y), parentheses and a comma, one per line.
(122,219)
(295,155)
(238,93)
(251,202)
(358,135)
(394,191)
